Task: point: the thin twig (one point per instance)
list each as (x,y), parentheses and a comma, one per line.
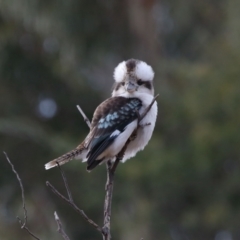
(26,228)
(22,190)
(74,206)
(84,116)
(60,227)
(22,223)
(65,183)
(148,108)
(70,199)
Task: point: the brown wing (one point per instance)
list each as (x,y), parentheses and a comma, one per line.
(112,116)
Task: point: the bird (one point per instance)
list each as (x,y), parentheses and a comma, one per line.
(116,119)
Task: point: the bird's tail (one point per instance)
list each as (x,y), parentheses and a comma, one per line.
(64,158)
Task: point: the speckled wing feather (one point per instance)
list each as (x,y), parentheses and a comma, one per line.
(109,120)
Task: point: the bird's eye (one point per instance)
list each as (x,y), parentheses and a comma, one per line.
(122,83)
(139,82)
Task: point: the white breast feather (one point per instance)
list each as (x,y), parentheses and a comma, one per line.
(144,134)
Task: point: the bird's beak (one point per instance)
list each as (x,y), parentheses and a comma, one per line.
(130,85)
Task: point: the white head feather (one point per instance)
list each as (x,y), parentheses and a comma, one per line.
(120,71)
(143,71)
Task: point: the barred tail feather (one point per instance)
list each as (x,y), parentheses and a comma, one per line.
(64,158)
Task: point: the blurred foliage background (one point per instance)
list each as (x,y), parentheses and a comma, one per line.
(55,54)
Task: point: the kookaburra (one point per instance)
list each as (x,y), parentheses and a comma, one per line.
(115,119)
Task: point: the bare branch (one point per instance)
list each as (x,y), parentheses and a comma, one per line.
(84,116)
(22,190)
(107,203)
(22,223)
(74,206)
(60,227)
(65,183)
(26,228)
(111,168)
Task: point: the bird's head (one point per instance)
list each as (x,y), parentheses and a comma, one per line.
(133,76)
